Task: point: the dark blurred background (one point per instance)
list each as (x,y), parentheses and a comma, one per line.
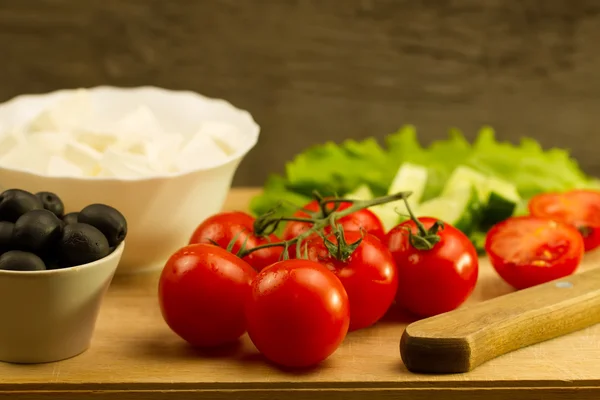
(312,70)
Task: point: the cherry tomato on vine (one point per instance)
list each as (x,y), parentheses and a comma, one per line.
(580,208)
(298,313)
(222,228)
(432,280)
(528,251)
(360,220)
(367,271)
(202,293)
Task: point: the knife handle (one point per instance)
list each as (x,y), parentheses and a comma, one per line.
(460,340)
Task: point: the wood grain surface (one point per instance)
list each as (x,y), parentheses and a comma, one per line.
(314,70)
(135,356)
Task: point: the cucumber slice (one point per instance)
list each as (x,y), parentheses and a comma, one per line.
(462,178)
(521,209)
(501,202)
(363,192)
(410,177)
(461,209)
(498,197)
(388,215)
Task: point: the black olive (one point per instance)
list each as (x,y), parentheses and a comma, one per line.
(16,202)
(82,244)
(37,231)
(71,218)
(16,260)
(6,234)
(52,263)
(107,219)
(52,202)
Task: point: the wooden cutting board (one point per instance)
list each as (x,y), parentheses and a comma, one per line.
(135,356)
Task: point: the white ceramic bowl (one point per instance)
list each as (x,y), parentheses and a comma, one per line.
(161,212)
(50,315)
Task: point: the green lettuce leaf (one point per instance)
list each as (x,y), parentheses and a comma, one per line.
(334,169)
(531,169)
(276,195)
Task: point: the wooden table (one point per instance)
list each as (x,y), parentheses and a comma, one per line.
(135,356)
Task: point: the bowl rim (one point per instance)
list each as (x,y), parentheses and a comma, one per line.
(252,134)
(116,254)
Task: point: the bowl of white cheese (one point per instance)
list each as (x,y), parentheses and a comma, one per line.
(164,158)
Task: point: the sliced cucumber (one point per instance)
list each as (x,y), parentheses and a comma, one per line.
(385,213)
(409,178)
(501,202)
(498,198)
(388,214)
(363,192)
(521,209)
(461,209)
(463,178)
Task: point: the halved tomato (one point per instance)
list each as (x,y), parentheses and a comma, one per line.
(528,251)
(580,208)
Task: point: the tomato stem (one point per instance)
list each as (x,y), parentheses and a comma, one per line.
(269,222)
(419,224)
(339,200)
(425,239)
(341,250)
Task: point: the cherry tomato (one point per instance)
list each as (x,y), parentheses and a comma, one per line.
(580,208)
(360,220)
(528,251)
(368,274)
(222,228)
(434,281)
(202,292)
(298,313)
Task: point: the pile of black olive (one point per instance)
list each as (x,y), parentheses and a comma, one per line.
(36,234)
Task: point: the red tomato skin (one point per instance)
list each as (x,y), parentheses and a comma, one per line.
(223,227)
(432,282)
(360,220)
(369,276)
(522,275)
(580,208)
(298,313)
(202,293)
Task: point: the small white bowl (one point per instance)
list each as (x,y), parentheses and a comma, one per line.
(50,315)
(163,211)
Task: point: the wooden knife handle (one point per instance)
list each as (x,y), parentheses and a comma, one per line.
(461,340)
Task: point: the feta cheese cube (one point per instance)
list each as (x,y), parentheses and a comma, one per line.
(83,156)
(162,151)
(98,140)
(199,152)
(52,142)
(123,165)
(58,166)
(227,136)
(132,130)
(7,143)
(65,114)
(26,157)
